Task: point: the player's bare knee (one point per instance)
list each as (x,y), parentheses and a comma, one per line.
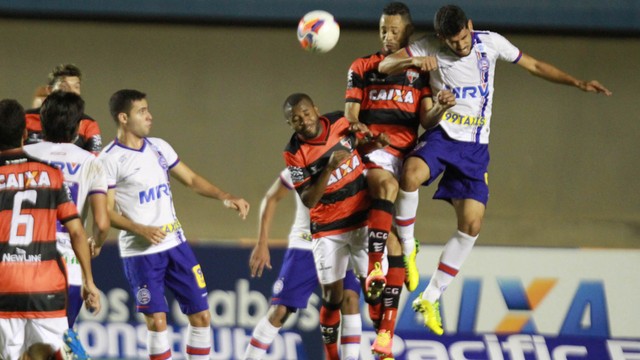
(278,315)
(387,190)
(471,227)
(351,302)
(156,321)
(200,319)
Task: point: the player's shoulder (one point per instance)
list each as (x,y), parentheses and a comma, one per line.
(86,117)
(32,112)
(157,141)
(21,161)
(368,60)
(334,116)
(293,146)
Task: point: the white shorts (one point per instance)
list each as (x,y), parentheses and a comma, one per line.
(16,335)
(386,161)
(334,254)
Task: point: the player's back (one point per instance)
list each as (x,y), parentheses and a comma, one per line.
(82,172)
(32,274)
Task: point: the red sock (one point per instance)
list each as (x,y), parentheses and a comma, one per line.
(391,295)
(380,220)
(329,326)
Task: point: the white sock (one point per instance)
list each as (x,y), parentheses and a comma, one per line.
(261,338)
(406,209)
(453,256)
(198,342)
(158,345)
(350,336)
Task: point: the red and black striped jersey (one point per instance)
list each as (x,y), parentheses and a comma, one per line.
(33,196)
(344,205)
(89,136)
(388,103)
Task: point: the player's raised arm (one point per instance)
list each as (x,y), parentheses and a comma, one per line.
(203,187)
(401,60)
(551,73)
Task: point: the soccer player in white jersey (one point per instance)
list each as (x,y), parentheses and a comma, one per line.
(152,243)
(462,60)
(297,278)
(60,115)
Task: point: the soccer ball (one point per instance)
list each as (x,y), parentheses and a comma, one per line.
(318,31)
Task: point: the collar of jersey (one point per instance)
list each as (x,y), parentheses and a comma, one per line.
(324,136)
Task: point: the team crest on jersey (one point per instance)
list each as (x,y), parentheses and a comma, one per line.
(483,64)
(143,296)
(346,142)
(412,75)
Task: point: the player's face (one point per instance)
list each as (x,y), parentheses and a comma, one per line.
(460,43)
(303,119)
(139,119)
(68,84)
(394,33)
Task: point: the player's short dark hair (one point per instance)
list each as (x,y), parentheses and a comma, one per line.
(12,124)
(449,21)
(122,102)
(293,100)
(60,116)
(63,70)
(398,8)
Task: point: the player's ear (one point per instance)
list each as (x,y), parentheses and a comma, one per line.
(470,24)
(410,28)
(122,118)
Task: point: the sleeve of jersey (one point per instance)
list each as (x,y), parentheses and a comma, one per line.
(110,170)
(300,176)
(90,132)
(98,176)
(506,50)
(355,83)
(167,151)
(285,179)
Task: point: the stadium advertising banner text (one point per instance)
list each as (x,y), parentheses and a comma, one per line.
(506,304)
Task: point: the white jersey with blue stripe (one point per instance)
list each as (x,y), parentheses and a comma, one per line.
(140,178)
(84,176)
(300,234)
(470,78)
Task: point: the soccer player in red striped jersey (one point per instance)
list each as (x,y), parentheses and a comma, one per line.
(33,279)
(328,174)
(396,105)
(66,77)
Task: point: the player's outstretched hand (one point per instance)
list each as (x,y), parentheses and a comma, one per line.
(446,99)
(425,63)
(381,140)
(358,127)
(238,204)
(595,87)
(91,296)
(260,258)
(337,157)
